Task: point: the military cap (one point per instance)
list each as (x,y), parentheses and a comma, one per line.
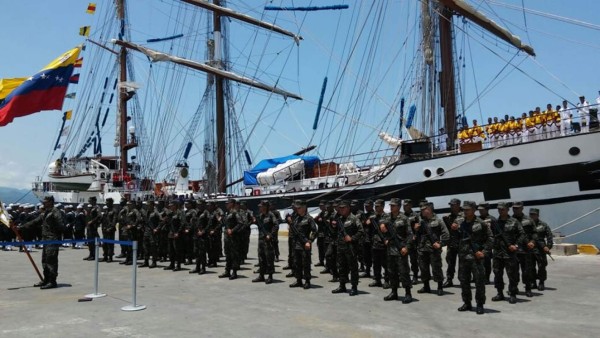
(395,201)
(263,203)
(231,200)
(425,205)
(517,204)
(534,211)
(89,205)
(343,204)
(68,206)
(353,202)
(92,198)
(379,203)
(299,203)
(323,202)
(336,202)
(110,200)
(454,201)
(49,199)
(408,201)
(483,206)
(469,205)
(368,202)
(503,205)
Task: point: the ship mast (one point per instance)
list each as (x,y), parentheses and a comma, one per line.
(124,94)
(220,105)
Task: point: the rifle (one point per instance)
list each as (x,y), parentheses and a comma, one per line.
(432,237)
(467,238)
(502,236)
(393,234)
(261,229)
(295,231)
(342,231)
(540,245)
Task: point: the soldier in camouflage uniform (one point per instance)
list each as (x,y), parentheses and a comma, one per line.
(413,254)
(93,222)
(331,240)
(488,220)
(139,229)
(214,233)
(121,223)
(356,210)
(109,219)
(543,242)
(321,232)
(452,222)
(188,243)
(176,226)
(303,231)
(398,238)
(51,227)
(267,228)
(475,242)
(163,232)
(200,230)
(525,254)
(431,235)
(277,214)
(289,219)
(245,232)
(367,247)
(508,236)
(233,225)
(151,235)
(378,249)
(133,219)
(349,234)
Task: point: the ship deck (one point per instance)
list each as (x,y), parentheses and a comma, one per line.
(180,304)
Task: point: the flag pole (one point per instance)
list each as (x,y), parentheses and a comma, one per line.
(19,238)
(8,222)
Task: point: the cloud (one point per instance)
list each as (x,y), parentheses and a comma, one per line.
(16,175)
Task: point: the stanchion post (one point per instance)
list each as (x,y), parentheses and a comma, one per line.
(96,262)
(134,306)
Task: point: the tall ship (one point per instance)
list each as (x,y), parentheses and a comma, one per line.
(363,100)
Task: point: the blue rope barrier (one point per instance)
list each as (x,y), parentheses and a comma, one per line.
(68,241)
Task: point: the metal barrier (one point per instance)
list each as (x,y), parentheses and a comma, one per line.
(134,305)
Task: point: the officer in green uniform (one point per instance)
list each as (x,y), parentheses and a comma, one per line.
(303,231)
(475,242)
(488,219)
(176,225)
(330,240)
(93,222)
(367,249)
(133,219)
(378,249)
(398,238)
(200,229)
(321,231)
(50,223)
(151,228)
(349,234)
(508,236)
(233,225)
(267,229)
(525,254)
(431,235)
(543,242)
(413,254)
(452,221)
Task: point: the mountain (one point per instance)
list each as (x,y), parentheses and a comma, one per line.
(12,195)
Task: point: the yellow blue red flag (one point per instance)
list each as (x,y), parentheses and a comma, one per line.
(43,91)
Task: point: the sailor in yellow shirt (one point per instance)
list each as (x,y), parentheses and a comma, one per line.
(464,135)
(490,130)
(540,122)
(504,129)
(549,124)
(531,130)
(477,134)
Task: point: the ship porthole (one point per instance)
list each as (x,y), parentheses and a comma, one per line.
(427,173)
(498,164)
(514,161)
(440,171)
(574,151)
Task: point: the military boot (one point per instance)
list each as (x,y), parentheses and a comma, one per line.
(334,279)
(196,270)
(306,285)
(465,307)
(290,275)
(225,274)
(202,270)
(440,289)
(170,267)
(528,292)
(541,286)
(512,299)
(415,279)
(425,289)
(42,282)
(296,284)
(386,285)
(269,279)
(233,275)
(407,296)
(325,271)
(340,289)
(153,265)
(498,297)
(376,284)
(178,268)
(353,291)
(479,309)
(392,296)
(49,285)
(146,264)
(260,278)
(448,282)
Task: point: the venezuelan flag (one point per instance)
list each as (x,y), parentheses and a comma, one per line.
(42,91)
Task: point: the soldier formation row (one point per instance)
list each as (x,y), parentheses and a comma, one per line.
(349,239)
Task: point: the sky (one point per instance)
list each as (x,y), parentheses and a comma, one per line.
(36,31)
